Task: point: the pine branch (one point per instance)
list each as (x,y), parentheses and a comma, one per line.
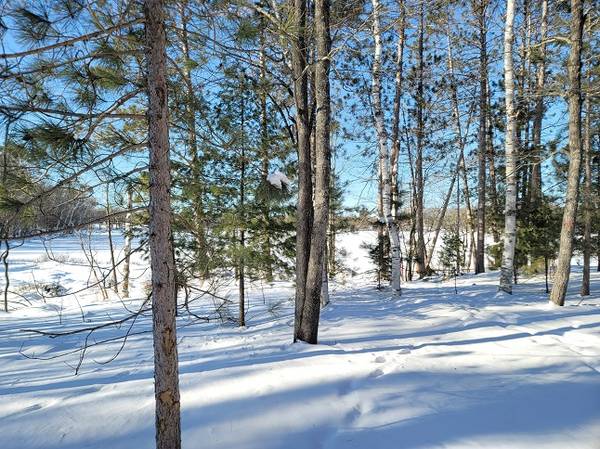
(69,42)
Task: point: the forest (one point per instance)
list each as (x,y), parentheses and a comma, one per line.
(300,223)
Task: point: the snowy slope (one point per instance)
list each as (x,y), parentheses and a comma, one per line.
(432,369)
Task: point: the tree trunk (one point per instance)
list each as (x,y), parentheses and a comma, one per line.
(242,213)
(128,239)
(4,258)
(536,169)
(396,114)
(111,247)
(264,144)
(565,252)
(587,199)
(384,160)
(166,378)
(304,211)
(510,213)
(481,138)
(308,321)
(419,188)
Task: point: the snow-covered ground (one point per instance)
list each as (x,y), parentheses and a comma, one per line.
(431,369)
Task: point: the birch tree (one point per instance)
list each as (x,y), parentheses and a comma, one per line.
(384,153)
(510,212)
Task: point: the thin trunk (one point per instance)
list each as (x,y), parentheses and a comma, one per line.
(384,159)
(331,229)
(587,199)
(461,145)
(491,166)
(166,377)
(127,247)
(420,100)
(264,144)
(597,204)
(565,252)
(525,101)
(111,247)
(197,196)
(396,115)
(510,214)
(242,205)
(536,169)
(481,138)
(6,274)
(546,273)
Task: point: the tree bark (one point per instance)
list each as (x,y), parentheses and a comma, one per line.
(166,377)
(304,210)
(398,81)
(587,199)
(418,181)
(308,325)
(536,169)
(481,138)
(510,213)
(384,159)
(242,213)
(565,252)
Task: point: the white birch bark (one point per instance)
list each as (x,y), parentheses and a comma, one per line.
(384,153)
(510,213)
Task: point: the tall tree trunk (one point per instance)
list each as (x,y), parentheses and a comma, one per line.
(481,137)
(304,212)
(491,166)
(536,169)
(164,292)
(587,199)
(419,187)
(399,78)
(565,252)
(128,239)
(242,213)
(384,160)
(510,213)
(308,325)
(265,144)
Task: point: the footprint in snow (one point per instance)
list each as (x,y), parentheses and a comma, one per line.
(376,373)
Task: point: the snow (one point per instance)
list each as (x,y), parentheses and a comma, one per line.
(278,180)
(432,369)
